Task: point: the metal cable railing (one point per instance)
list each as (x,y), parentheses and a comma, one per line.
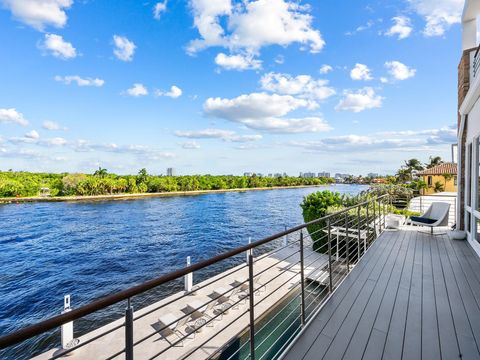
(278,291)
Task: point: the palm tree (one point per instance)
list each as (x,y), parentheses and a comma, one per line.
(434,161)
(101,172)
(413,164)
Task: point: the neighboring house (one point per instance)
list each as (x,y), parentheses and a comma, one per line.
(445,174)
(468,209)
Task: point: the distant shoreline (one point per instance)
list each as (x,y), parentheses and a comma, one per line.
(10,200)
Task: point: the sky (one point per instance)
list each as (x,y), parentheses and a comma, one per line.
(227,87)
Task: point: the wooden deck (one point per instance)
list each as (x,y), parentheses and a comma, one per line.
(412,296)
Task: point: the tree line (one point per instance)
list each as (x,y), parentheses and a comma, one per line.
(101,182)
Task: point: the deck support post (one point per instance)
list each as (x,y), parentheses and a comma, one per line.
(251,306)
(129,331)
(302,280)
(329,240)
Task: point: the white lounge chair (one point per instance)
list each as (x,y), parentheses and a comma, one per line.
(172,327)
(435,216)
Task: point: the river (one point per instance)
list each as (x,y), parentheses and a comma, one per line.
(92,249)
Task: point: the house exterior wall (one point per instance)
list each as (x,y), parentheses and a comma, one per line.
(448,186)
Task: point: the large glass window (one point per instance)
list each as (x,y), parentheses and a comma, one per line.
(468,193)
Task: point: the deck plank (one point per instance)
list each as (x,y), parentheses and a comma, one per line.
(413,296)
(350,285)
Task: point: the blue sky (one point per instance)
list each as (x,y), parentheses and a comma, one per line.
(226,87)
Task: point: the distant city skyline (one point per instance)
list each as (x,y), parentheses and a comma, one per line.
(352,87)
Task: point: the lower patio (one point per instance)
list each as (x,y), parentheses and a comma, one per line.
(412,296)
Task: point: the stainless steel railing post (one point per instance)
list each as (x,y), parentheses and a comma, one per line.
(359,234)
(368,230)
(329,239)
(251,294)
(347,244)
(129,331)
(302,279)
(374,219)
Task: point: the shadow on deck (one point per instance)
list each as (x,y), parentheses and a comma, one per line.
(412,296)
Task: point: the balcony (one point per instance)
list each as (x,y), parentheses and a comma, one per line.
(411,296)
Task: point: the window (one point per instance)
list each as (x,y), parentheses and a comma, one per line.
(468,193)
(455,180)
(430,181)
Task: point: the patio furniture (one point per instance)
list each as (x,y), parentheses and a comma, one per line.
(199,310)
(435,216)
(171,326)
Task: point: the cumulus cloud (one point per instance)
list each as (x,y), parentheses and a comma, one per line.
(124,48)
(174,92)
(303,86)
(409,140)
(52,125)
(325,69)
(225,135)
(251,25)
(159,9)
(32,135)
(137,90)
(237,62)
(79,80)
(361,72)
(58,47)
(360,100)
(266,112)
(12,116)
(39,14)
(399,71)
(438,14)
(401,27)
(190,145)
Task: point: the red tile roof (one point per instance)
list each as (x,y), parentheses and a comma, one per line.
(445,168)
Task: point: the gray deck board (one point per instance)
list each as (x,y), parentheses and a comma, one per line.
(412,296)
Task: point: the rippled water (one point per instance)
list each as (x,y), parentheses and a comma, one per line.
(92,249)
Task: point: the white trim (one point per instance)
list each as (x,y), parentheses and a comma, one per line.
(474,244)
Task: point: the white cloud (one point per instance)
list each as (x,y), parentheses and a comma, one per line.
(59,47)
(399,71)
(80,81)
(252,106)
(438,14)
(39,13)
(409,140)
(52,125)
(361,72)
(361,28)
(174,92)
(279,59)
(12,116)
(225,135)
(325,69)
(251,25)
(124,48)
(360,100)
(237,62)
(56,141)
(261,111)
(32,135)
(401,27)
(159,8)
(137,90)
(303,86)
(190,145)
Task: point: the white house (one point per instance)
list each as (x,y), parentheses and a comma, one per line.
(468,209)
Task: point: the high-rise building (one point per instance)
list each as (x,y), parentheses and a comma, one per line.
(324,174)
(170,171)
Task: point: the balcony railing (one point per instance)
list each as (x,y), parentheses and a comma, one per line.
(254,308)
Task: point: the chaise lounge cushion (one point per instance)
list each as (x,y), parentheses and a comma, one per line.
(423,220)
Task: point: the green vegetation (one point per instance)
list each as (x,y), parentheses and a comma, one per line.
(23,184)
(322,203)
